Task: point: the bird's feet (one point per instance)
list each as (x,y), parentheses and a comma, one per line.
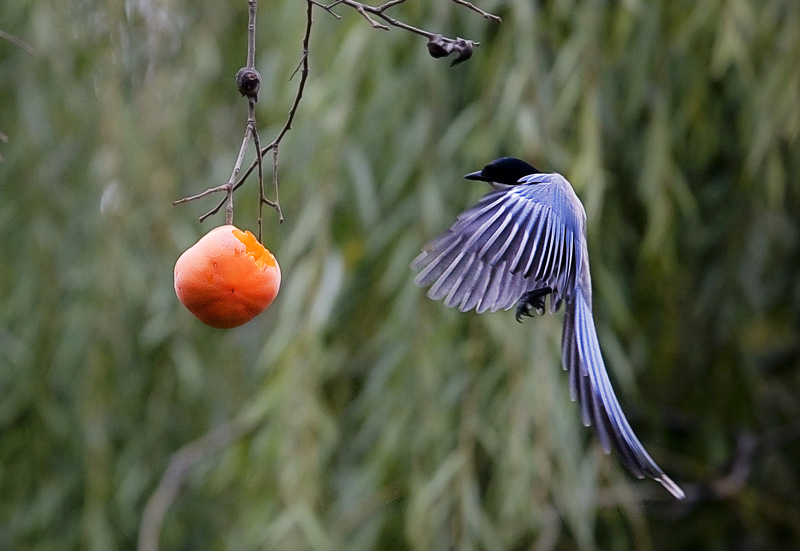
(532,300)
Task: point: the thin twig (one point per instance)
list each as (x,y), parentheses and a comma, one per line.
(202,194)
(277,203)
(438,45)
(367,11)
(177,472)
(19,42)
(215,210)
(236,168)
(363,11)
(262,198)
(250,131)
(327,8)
(251,109)
(252,6)
(476,9)
(303,68)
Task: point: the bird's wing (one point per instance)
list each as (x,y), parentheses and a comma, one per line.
(528,237)
(590,385)
(514,240)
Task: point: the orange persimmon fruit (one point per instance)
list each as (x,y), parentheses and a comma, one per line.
(227,278)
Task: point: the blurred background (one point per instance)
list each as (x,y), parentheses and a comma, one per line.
(368,416)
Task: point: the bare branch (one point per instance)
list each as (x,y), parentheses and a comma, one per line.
(304,70)
(327,8)
(277,203)
(262,197)
(362,10)
(438,46)
(252,6)
(19,42)
(236,167)
(248,82)
(178,471)
(450,44)
(209,191)
(385,6)
(476,9)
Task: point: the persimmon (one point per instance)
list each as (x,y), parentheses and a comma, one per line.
(227,278)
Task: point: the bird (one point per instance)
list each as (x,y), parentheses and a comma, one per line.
(521,243)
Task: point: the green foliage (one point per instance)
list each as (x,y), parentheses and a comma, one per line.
(384,420)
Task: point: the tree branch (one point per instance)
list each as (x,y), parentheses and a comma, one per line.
(303,69)
(476,9)
(178,471)
(248,81)
(28,49)
(438,46)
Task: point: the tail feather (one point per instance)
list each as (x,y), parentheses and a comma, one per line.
(582,358)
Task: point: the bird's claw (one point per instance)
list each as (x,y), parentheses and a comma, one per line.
(532,300)
(524,309)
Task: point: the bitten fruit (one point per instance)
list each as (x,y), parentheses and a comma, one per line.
(227,278)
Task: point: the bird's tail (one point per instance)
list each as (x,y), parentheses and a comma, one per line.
(590,385)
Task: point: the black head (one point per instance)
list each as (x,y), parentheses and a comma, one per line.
(505,170)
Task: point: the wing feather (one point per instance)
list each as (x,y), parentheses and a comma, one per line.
(525,245)
(546,251)
(512,241)
(525,238)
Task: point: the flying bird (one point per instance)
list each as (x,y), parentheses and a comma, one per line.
(521,243)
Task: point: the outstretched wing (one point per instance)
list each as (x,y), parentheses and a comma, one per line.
(514,240)
(524,238)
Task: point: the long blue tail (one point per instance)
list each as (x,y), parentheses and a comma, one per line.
(590,385)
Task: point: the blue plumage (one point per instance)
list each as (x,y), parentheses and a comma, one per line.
(518,244)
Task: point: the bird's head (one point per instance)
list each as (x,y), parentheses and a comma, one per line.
(505,171)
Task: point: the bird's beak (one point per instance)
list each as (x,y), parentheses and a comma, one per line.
(475,176)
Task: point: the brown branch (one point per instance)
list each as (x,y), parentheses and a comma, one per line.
(262,197)
(476,9)
(438,46)
(238,165)
(327,7)
(276,204)
(252,6)
(202,194)
(362,10)
(303,68)
(365,10)
(248,82)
